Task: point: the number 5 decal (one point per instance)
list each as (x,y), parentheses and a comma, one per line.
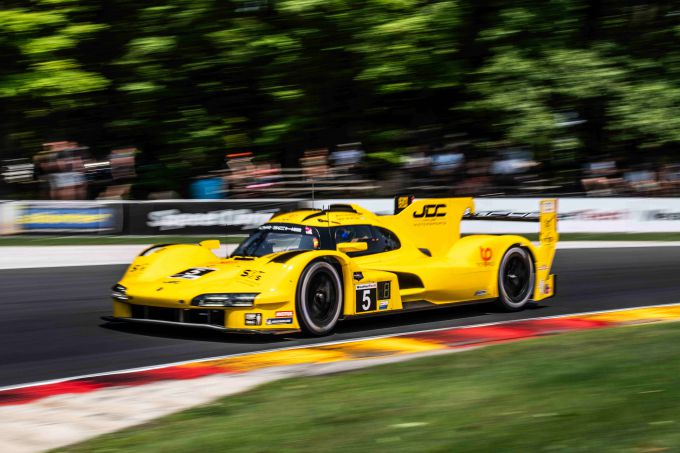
(366,297)
(366,305)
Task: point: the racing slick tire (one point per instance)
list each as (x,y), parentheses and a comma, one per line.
(516,279)
(319,298)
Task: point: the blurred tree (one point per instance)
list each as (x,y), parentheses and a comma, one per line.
(43,79)
(187,80)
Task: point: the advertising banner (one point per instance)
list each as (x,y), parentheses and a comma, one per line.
(587,215)
(7,218)
(198,217)
(47,217)
(576,215)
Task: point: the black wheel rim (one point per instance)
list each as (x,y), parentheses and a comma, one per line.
(321,298)
(516,276)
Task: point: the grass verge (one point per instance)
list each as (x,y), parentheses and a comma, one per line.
(613,390)
(112,240)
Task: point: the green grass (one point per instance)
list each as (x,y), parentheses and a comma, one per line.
(614,390)
(110,240)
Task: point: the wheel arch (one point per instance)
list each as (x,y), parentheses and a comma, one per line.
(525,244)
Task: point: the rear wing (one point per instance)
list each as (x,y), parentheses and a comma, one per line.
(546,216)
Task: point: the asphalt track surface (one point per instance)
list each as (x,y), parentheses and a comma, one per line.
(50,323)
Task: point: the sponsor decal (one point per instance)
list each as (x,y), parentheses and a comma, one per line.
(68,218)
(547,206)
(253,319)
(137,268)
(284,314)
(431,210)
(384,290)
(485,253)
(193,273)
(273,321)
(308,230)
(366,297)
(481,292)
(541,287)
(63,218)
(172,219)
(591,214)
(358,276)
(384,304)
(250,274)
(662,215)
(284,228)
(543,267)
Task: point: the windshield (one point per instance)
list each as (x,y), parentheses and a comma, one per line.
(273,238)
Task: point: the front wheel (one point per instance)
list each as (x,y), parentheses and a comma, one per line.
(319,298)
(515,279)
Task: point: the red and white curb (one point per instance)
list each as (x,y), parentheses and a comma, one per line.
(44,415)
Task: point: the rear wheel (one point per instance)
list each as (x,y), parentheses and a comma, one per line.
(515,279)
(319,298)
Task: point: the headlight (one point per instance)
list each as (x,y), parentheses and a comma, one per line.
(118,292)
(225,300)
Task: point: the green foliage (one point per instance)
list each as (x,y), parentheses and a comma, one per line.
(188,80)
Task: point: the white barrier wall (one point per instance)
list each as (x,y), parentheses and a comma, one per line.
(576,215)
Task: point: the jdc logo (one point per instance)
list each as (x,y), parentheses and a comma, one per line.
(431,210)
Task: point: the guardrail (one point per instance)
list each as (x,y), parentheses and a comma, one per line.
(226,217)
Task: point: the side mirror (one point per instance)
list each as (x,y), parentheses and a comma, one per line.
(210,244)
(349,247)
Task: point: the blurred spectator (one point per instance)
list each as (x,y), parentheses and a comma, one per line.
(446,162)
(64,170)
(315,163)
(122,164)
(477,180)
(119,171)
(418,164)
(347,156)
(241,168)
(601,179)
(265,176)
(207,187)
(669,179)
(512,162)
(642,180)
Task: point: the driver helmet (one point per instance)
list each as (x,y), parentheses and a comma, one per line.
(343,234)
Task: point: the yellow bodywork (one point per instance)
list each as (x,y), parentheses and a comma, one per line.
(433,266)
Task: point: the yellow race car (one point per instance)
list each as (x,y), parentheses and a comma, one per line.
(308,269)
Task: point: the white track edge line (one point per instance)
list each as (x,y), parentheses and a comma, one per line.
(329,343)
